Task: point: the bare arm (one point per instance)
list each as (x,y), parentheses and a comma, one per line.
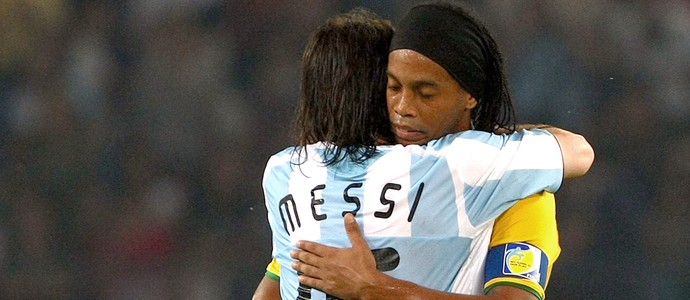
(391,288)
(578,154)
(350,273)
(268,289)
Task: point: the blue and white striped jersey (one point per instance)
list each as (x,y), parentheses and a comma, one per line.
(428,209)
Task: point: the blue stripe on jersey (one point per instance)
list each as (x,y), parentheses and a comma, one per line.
(275,188)
(274,181)
(430,261)
(437,190)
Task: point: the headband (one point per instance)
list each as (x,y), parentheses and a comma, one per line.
(449,37)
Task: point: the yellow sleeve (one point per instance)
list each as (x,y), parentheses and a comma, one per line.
(531,222)
(273,270)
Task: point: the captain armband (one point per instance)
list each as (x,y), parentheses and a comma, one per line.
(517,264)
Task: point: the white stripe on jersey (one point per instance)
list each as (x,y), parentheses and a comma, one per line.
(470,279)
(397,224)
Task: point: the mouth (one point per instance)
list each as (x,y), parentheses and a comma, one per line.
(407,135)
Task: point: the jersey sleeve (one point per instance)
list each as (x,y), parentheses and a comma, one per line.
(273,270)
(496,170)
(526,160)
(524,246)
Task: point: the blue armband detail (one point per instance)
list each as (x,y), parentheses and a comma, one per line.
(519,260)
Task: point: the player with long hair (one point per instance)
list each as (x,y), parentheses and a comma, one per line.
(329,147)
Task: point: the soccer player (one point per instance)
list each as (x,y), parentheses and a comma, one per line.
(334,158)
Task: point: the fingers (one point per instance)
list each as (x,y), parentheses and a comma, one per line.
(317,249)
(353,232)
(310,281)
(307,275)
(305,257)
(306,270)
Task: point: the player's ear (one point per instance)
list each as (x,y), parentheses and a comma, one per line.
(471,103)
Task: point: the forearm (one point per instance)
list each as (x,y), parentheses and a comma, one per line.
(519,127)
(386,287)
(578,154)
(268,289)
(391,288)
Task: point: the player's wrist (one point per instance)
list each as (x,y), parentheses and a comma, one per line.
(531,126)
(385,287)
(373,286)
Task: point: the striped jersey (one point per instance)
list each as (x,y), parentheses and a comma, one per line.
(426,211)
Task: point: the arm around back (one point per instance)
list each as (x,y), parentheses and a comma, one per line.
(268,289)
(578,154)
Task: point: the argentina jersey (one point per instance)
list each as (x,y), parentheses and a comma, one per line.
(426,211)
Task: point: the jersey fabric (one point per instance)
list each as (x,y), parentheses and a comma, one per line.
(531,220)
(429,208)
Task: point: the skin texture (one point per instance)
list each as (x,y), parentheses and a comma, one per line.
(424,101)
(268,289)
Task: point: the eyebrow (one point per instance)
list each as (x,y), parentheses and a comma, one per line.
(416,83)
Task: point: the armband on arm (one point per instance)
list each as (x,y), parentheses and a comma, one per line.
(517,264)
(273,270)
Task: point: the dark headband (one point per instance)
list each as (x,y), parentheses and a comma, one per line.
(450,38)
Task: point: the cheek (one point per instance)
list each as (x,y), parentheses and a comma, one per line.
(451,120)
(390,103)
(391,99)
(438,122)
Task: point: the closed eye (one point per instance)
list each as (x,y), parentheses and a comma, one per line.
(393,87)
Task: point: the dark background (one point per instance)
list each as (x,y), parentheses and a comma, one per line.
(133,136)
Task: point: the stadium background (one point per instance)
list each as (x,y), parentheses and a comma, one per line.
(133,135)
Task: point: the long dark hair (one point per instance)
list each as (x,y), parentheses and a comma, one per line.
(495,108)
(343,91)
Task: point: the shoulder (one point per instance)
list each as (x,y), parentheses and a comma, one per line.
(280,157)
(482,139)
(295,154)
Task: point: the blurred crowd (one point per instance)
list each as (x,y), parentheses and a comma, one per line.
(133,136)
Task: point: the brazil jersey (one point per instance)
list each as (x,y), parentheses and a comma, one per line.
(428,209)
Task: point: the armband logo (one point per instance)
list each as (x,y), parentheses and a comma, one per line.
(523,260)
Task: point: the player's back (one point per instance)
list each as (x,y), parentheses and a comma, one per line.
(424,206)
